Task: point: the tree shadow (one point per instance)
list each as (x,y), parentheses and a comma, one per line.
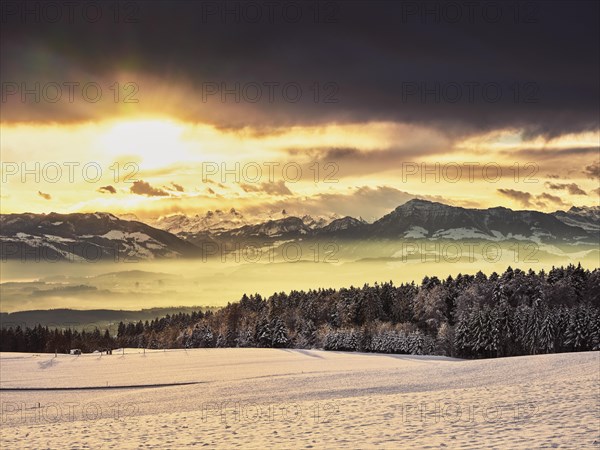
(48,363)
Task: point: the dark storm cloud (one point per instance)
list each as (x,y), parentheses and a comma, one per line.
(379,59)
(353,161)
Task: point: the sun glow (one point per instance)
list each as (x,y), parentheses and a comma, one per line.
(156,142)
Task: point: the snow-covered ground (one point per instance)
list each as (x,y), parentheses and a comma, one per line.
(268,398)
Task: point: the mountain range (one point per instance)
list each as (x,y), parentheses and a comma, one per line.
(80,236)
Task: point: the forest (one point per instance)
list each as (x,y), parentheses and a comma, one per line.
(469,316)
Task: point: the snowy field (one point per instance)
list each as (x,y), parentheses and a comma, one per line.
(269,398)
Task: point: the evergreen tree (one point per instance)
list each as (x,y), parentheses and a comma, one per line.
(279,336)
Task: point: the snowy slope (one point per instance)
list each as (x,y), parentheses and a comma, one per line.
(267,398)
(586,217)
(81,236)
(436,220)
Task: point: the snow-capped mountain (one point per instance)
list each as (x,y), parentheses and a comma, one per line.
(317,222)
(105,236)
(289,227)
(213,221)
(422,219)
(586,217)
(128,216)
(218,221)
(426,220)
(344,224)
(77,237)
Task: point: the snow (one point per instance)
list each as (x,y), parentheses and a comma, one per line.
(223,221)
(497,234)
(269,398)
(155,245)
(46,241)
(58,239)
(416,233)
(585,217)
(121,235)
(460,233)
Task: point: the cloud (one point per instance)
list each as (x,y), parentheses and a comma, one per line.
(107,190)
(277,188)
(551,198)
(368,202)
(44,195)
(211,181)
(523,198)
(571,188)
(593,170)
(142,187)
(354,63)
(336,163)
(529,200)
(178,187)
(556,152)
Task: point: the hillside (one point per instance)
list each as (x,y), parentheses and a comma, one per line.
(268,398)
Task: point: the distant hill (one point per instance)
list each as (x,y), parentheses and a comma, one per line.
(88,319)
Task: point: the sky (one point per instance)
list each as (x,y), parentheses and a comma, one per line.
(345,107)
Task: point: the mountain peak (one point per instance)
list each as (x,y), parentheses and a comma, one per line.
(420,205)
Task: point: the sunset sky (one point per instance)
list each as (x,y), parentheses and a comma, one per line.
(373,124)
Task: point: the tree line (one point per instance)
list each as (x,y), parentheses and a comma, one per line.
(471,316)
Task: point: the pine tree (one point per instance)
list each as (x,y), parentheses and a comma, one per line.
(547,335)
(279,337)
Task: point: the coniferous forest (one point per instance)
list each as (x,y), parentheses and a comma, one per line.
(470,316)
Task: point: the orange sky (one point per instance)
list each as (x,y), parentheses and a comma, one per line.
(158,165)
